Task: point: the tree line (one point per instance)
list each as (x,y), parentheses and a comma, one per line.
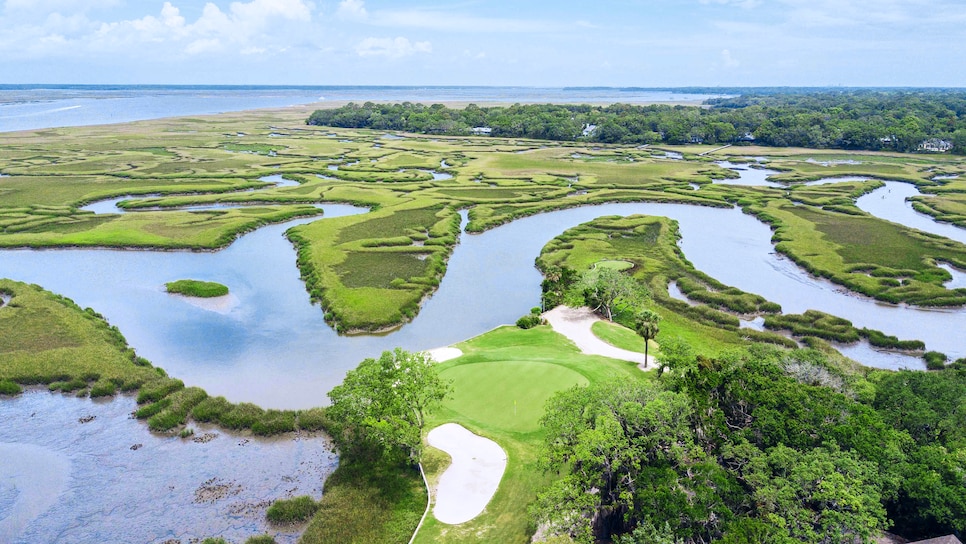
(855,119)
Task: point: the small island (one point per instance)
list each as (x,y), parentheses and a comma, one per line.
(195,288)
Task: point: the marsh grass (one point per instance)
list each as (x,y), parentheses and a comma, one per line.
(366,503)
(294,510)
(195,288)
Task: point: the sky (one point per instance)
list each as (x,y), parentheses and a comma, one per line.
(621,43)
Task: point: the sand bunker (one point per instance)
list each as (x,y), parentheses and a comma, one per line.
(575,324)
(467,486)
(444,354)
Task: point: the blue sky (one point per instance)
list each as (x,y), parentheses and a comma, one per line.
(647,43)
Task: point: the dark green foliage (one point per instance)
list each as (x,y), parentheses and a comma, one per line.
(529,321)
(766,445)
(379,409)
(931,408)
(891,120)
(9,388)
(214,541)
(935,360)
(294,510)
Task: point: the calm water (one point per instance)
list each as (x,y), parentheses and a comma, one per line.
(77,470)
(274,336)
(25,107)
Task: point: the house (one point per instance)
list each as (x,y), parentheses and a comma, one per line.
(481,131)
(935,145)
(588,130)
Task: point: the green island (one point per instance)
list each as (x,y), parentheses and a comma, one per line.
(734,435)
(195,288)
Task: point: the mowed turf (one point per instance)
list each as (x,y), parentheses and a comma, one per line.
(500,387)
(507,394)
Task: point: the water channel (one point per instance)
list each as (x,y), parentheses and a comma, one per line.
(79,470)
(271,346)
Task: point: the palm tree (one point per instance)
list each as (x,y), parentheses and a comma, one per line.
(645,323)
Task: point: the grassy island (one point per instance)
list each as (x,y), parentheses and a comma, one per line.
(195,288)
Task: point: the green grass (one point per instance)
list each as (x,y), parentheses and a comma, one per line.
(367,503)
(379,269)
(195,288)
(619,336)
(614,265)
(501,371)
(868,255)
(294,510)
(504,392)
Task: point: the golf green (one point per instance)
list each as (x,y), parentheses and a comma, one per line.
(506,395)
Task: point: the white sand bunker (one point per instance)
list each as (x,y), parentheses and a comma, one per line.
(575,324)
(444,354)
(467,486)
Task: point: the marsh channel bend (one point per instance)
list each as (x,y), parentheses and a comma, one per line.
(273,347)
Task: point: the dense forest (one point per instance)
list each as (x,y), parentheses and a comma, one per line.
(878,120)
(766,445)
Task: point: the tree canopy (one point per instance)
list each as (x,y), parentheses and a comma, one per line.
(869,119)
(381,405)
(758,445)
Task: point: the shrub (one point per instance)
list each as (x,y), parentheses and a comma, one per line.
(294,510)
(935,360)
(528,321)
(186,432)
(7,387)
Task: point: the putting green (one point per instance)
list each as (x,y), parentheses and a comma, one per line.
(506,395)
(616,265)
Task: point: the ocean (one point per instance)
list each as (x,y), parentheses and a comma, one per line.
(24,107)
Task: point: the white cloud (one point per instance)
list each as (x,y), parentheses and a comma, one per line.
(213,31)
(728,60)
(352,10)
(391,48)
